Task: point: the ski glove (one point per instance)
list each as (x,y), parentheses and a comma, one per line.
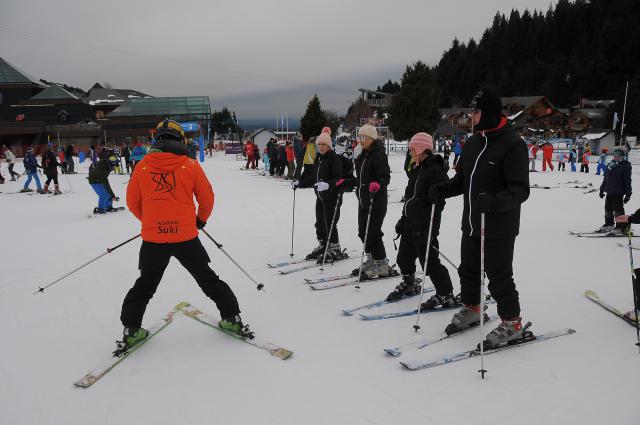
(322,186)
(339,182)
(483,203)
(626,198)
(435,193)
(374,187)
(601,194)
(200,224)
(295,184)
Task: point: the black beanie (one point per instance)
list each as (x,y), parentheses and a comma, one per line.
(488,101)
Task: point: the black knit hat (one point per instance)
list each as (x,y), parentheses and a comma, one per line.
(487,101)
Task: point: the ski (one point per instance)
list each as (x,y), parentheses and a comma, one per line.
(415,311)
(596,299)
(590,191)
(94,375)
(192,312)
(425,342)
(417,365)
(604,235)
(315,264)
(350,311)
(329,278)
(95,215)
(353,280)
(275,265)
(622,245)
(537,186)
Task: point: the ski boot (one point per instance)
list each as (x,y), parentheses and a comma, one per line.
(130,338)
(97,210)
(467,317)
(378,268)
(442,301)
(234,325)
(620,230)
(605,228)
(26,190)
(316,253)
(508,331)
(366,264)
(45,190)
(334,253)
(57,190)
(111,209)
(407,288)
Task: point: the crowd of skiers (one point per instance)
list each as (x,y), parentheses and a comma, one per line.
(580,154)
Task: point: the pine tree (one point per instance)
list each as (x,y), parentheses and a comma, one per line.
(415,107)
(313,120)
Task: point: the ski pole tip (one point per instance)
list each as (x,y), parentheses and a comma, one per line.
(39,291)
(260,287)
(416,327)
(482,372)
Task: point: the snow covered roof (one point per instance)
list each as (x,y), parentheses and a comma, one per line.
(515,116)
(594,136)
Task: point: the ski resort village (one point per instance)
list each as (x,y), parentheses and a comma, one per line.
(320,213)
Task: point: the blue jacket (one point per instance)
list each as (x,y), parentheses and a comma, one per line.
(138,153)
(299,149)
(30,163)
(617,178)
(457,149)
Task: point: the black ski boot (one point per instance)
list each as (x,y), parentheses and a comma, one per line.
(317,252)
(442,301)
(407,288)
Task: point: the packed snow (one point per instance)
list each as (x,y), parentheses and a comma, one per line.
(339,373)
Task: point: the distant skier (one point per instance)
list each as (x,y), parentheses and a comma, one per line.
(299,148)
(50,166)
(99,181)
(31,168)
(250,154)
(126,153)
(457,151)
(616,184)
(494,180)
(69,153)
(373,176)
(291,158)
(586,158)
(11,162)
(160,194)
(573,157)
(547,155)
(137,154)
(533,152)
(562,159)
(602,161)
(413,227)
(326,179)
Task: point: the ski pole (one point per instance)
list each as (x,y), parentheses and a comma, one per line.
(364,243)
(293,220)
(108,251)
(333,220)
(259,286)
(482,278)
(416,327)
(69,182)
(444,256)
(633,285)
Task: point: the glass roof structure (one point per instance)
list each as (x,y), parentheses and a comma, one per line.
(177,108)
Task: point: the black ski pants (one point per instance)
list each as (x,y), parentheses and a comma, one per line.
(613,207)
(272,165)
(51,177)
(413,244)
(299,165)
(154,258)
(498,266)
(324,215)
(374,244)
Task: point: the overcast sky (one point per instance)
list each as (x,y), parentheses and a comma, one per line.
(259,57)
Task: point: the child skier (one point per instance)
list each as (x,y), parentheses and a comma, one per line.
(31,167)
(99,181)
(50,169)
(562,158)
(617,186)
(602,161)
(413,227)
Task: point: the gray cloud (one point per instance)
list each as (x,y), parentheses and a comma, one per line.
(257,57)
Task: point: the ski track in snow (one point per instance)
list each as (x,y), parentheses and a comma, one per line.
(339,373)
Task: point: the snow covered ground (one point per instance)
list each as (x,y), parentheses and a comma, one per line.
(339,373)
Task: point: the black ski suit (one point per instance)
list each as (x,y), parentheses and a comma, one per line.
(371,166)
(413,225)
(617,185)
(50,167)
(494,163)
(326,168)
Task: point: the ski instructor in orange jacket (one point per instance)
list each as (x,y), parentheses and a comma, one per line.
(160,194)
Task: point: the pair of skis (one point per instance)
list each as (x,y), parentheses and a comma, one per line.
(305,264)
(188,310)
(414,311)
(609,234)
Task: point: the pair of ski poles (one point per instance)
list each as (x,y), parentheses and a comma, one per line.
(41,289)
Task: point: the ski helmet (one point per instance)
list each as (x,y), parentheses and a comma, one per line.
(170,129)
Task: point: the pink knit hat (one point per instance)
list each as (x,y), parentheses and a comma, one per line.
(324,138)
(326,130)
(421,142)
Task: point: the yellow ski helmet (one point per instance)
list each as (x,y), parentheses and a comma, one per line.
(170,129)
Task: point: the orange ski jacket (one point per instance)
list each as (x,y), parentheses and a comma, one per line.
(160,194)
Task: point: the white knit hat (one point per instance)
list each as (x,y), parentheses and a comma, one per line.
(369,131)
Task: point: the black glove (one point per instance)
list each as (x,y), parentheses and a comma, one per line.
(601,194)
(199,223)
(435,193)
(483,203)
(626,198)
(400,226)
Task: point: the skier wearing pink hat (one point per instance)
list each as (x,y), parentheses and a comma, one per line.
(413,227)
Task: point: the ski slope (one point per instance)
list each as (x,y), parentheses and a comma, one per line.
(339,373)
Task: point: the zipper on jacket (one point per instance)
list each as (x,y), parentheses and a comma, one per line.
(360,185)
(415,190)
(486,143)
